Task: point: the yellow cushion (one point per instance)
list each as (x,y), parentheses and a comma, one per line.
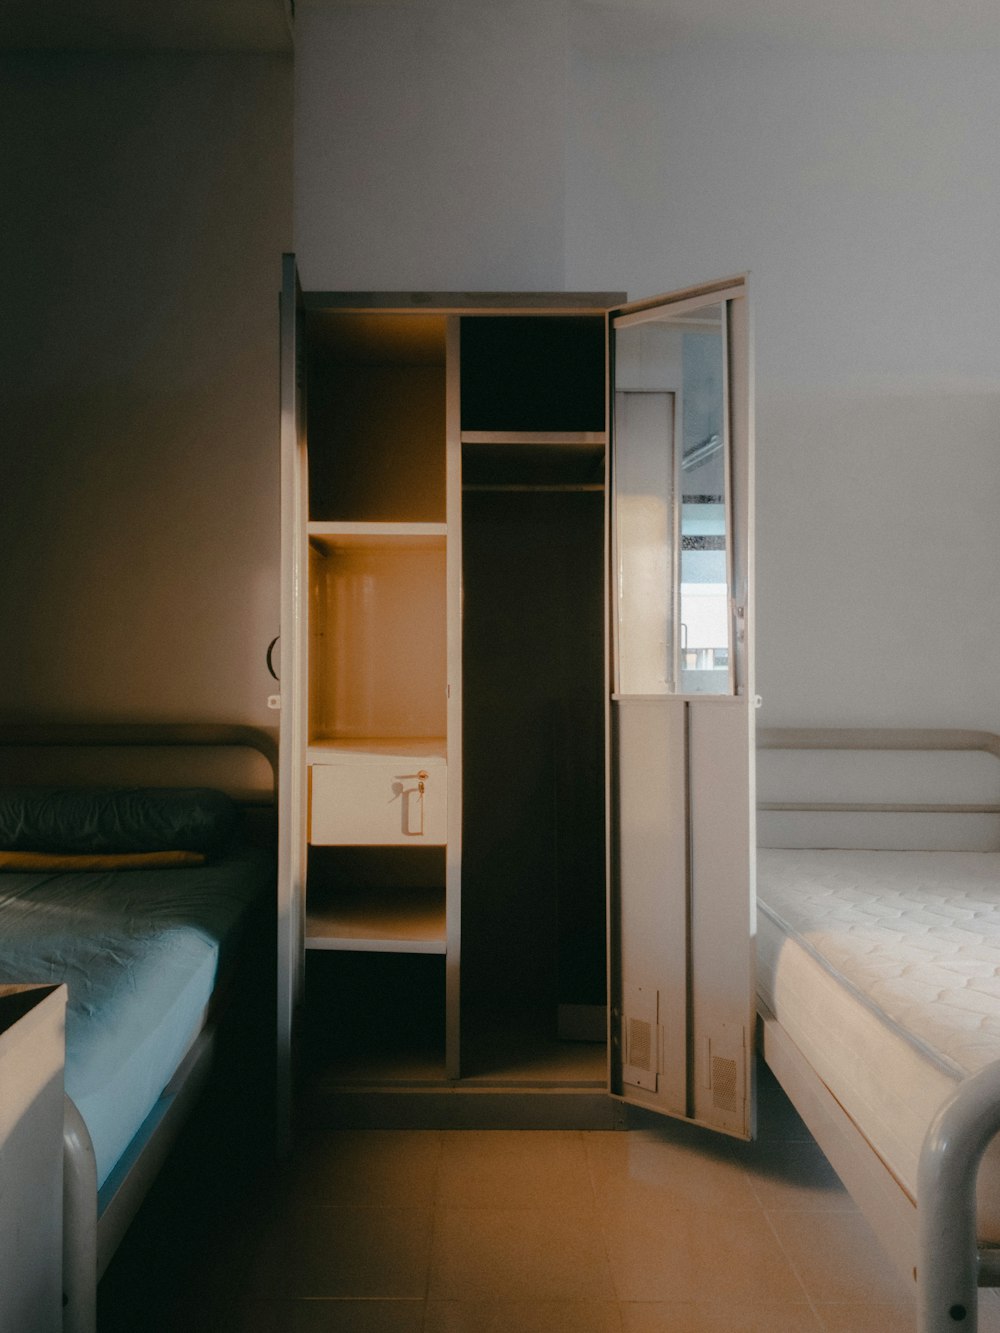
(98,860)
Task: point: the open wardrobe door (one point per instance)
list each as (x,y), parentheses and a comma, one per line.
(294,691)
(682,703)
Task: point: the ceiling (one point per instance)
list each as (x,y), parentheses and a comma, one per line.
(265,25)
(145,25)
(650,25)
(886,24)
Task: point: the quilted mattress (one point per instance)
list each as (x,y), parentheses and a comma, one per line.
(884,969)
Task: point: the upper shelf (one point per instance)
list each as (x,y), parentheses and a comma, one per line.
(538,460)
(330,304)
(363,749)
(387,920)
(330,535)
(568,439)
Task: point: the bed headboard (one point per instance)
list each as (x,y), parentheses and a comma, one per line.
(921,788)
(239,760)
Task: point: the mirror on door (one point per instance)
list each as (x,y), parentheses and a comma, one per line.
(672,503)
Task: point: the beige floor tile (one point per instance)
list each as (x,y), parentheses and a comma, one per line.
(518,1254)
(839,1260)
(661,1255)
(398,1168)
(522,1317)
(692,1234)
(360,1253)
(679,1167)
(514,1169)
(850,1318)
(328,1316)
(691,1317)
(793,1175)
(192,1312)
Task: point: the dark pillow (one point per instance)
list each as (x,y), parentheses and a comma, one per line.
(90,820)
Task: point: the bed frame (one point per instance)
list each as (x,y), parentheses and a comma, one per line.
(94,1222)
(932,1239)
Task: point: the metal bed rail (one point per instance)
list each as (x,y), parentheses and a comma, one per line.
(926,739)
(951,1263)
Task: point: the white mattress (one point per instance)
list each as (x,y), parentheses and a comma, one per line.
(884,969)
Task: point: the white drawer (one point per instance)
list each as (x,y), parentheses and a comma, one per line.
(379,802)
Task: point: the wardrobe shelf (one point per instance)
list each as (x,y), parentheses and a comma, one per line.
(401,535)
(347,750)
(393,920)
(569,438)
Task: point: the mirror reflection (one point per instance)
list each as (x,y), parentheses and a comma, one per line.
(671,504)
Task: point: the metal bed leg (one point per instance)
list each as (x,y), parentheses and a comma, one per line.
(79,1225)
(950,1266)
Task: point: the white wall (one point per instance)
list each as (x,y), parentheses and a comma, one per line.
(544,145)
(861,190)
(429,145)
(146,203)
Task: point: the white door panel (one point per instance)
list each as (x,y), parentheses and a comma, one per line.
(721,974)
(681,810)
(651,897)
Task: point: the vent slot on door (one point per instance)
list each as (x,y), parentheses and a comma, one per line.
(642,1038)
(639,1049)
(724,1084)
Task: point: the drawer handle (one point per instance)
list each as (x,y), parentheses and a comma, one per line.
(422,777)
(409,795)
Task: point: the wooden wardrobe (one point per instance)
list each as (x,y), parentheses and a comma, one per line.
(516,707)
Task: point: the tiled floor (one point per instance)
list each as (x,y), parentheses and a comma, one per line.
(660,1228)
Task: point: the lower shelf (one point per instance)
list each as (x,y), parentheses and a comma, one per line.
(394,920)
(521,1050)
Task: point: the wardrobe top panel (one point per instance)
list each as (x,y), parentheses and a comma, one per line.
(459,303)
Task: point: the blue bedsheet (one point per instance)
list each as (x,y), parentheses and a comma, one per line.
(140,951)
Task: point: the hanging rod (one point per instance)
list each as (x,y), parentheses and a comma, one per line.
(567,487)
